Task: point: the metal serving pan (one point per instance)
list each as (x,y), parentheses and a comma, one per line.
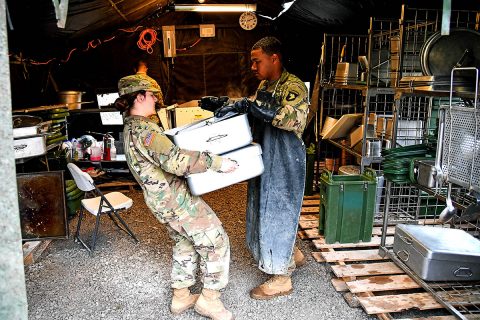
(439,54)
(438,254)
(24,125)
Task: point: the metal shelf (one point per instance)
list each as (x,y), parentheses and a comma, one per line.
(421,91)
(419,106)
(459,201)
(345,86)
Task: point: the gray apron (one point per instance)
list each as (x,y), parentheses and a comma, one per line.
(275,198)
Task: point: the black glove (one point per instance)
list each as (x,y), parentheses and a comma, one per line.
(240,106)
(212,103)
(265,107)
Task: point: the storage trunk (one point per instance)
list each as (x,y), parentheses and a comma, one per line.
(438,254)
(347,205)
(250,165)
(217,135)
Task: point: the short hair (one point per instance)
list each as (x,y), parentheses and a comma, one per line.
(270,45)
(137,64)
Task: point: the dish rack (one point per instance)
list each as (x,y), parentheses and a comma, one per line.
(457,178)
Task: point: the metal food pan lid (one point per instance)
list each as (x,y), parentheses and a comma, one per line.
(439,243)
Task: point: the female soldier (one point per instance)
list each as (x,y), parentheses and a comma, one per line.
(159,167)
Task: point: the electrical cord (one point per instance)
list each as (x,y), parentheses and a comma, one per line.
(147,39)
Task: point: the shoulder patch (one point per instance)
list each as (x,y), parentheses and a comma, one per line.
(149,138)
(292,95)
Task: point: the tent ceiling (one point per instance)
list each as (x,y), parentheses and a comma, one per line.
(88,18)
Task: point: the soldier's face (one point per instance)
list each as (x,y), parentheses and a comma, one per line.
(151,96)
(264,66)
(147,102)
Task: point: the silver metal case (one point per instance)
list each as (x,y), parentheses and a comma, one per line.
(438,254)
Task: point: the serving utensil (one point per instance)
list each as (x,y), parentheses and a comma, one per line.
(449,211)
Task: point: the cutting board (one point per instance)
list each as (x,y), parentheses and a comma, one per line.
(343,126)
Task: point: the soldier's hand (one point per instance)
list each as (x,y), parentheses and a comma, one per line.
(212,103)
(228,165)
(240,106)
(265,107)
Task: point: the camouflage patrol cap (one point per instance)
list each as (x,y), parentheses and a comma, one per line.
(135,83)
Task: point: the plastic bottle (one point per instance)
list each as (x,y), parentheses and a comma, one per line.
(79,150)
(113,152)
(74,150)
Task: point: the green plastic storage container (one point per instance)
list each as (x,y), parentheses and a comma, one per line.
(347,205)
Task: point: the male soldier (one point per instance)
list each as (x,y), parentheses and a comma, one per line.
(159,168)
(275,198)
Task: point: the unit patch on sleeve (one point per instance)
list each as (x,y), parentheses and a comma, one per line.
(292,95)
(149,138)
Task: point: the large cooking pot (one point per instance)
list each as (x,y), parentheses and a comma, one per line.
(439,54)
(73,99)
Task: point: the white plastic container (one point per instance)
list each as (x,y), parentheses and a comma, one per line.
(217,135)
(31,146)
(250,165)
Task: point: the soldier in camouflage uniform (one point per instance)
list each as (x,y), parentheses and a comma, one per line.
(279,111)
(159,167)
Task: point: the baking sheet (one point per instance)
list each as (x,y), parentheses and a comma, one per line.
(41,203)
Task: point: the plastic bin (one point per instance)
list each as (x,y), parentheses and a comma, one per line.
(347,205)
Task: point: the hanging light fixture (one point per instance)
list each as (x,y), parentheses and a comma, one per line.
(215,7)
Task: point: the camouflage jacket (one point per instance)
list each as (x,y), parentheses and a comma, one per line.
(159,166)
(291,93)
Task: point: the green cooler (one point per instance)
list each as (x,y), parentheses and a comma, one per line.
(347,205)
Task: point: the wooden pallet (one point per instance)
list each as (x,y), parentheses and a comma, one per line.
(365,278)
(32,250)
(309,217)
(375,283)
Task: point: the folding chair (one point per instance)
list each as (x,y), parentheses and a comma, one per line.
(109,203)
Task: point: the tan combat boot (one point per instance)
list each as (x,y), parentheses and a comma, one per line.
(209,305)
(182,300)
(277,285)
(298,257)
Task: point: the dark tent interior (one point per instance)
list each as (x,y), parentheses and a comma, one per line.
(102,39)
(383,98)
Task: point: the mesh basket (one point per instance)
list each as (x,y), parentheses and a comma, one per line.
(461,146)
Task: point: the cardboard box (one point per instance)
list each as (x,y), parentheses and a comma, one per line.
(356,136)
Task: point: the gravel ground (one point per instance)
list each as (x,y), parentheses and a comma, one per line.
(124,280)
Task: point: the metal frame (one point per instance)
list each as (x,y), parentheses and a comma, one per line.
(405,201)
(374,96)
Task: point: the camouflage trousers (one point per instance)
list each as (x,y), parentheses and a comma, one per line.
(199,242)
